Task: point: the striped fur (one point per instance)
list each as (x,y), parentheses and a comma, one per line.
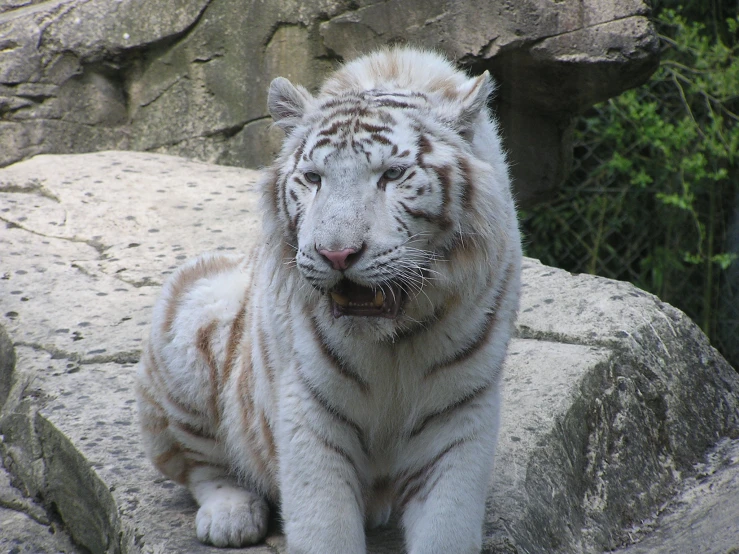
(252,392)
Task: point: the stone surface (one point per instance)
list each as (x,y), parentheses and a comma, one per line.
(612,398)
(25,527)
(704,517)
(87,75)
(7,365)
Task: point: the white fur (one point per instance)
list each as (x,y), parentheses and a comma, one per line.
(416,409)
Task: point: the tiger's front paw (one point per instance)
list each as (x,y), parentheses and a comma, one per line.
(232,518)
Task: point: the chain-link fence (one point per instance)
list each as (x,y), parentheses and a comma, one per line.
(623,215)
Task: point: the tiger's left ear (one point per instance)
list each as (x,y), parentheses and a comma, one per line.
(287,103)
(473,98)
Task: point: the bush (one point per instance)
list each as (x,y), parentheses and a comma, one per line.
(655,182)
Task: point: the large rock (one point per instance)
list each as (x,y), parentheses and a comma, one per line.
(612,398)
(25,527)
(86,75)
(7,364)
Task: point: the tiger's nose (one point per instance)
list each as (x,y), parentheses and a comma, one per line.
(341,259)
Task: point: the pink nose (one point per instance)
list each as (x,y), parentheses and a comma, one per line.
(339,259)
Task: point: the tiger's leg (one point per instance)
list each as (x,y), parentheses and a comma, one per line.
(443,501)
(180,448)
(321,489)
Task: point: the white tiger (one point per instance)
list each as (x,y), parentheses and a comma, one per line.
(349,366)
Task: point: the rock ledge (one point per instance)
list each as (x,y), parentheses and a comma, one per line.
(613,399)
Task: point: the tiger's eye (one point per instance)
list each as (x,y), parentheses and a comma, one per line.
(312,177)
(393,173)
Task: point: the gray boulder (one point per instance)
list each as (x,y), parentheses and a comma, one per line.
(190,77)
(616,412)
(7,364)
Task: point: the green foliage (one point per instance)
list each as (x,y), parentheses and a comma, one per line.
(656,177)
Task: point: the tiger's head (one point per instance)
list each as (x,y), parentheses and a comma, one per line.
(387,188)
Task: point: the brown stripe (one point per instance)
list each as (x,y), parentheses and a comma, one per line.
(319,144)
(490,322)
(281,199)
(245,390)
(340,365)
(399,94)
(350,99)
(386,118)
(457,404)
(199,433)
(235,335)
(283,202)
(444,174)
(429,488)
(176,450)
(382,139)
(415,483)
(152,371)
(390,103)
(204,346)
(402,224)
(194,464)
(423,147)
(371,128)
(204,267)
(272,190)
(350,107)
(166,457)
(269,438)
(154,423)
(333,411)
(416,328)
(436,219)
(468,187)
(335,126)
(344,454)
(298,153)
(264,355)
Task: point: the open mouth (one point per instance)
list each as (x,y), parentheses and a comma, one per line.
(349,298)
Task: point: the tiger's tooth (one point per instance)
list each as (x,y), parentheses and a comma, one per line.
(379,299)
(340,299)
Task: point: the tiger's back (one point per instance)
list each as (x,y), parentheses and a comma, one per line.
(348,367)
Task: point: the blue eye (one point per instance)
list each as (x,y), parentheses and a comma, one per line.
(394,173)
(312,177)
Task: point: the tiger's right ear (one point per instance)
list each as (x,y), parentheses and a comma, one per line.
(287,103)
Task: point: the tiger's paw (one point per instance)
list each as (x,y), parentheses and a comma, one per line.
(233,517)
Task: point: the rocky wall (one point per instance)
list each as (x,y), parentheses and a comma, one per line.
(189,77)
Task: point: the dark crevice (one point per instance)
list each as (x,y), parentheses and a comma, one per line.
(525,332)
(224,133)
(33,186)
(121,358)
(98,246)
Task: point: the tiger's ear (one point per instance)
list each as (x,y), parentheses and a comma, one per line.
(287,103)
(473,98)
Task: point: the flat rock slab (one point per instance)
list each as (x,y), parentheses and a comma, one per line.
(612,398)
